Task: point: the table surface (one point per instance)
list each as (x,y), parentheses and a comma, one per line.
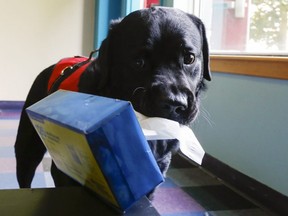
(70,201)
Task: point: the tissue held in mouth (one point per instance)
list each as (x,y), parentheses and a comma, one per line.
(155,128)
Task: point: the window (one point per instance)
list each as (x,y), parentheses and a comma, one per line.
(240,26)
(247,37)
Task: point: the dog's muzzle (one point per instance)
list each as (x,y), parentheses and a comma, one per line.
(173,103)
(167,101)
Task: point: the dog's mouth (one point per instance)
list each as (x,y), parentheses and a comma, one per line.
(158,102)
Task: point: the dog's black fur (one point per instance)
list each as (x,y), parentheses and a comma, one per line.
(156,58)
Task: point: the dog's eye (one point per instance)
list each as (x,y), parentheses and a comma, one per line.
(139,63)
(189,58)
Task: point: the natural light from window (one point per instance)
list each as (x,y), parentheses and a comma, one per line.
(254,27)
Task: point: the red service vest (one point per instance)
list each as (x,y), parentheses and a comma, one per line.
(71,82)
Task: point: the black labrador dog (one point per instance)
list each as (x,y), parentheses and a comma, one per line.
(156,58)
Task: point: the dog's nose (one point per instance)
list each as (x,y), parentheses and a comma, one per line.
(175,107)
(171,102)
(176,104)
(179,108)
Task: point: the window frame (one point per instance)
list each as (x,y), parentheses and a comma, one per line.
(275,67)
(107,10)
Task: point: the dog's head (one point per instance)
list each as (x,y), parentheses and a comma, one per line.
(158,59)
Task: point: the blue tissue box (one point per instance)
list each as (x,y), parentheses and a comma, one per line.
(98,142)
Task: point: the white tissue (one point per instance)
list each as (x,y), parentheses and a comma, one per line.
(156,128)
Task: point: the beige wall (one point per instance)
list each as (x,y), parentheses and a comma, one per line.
(35,34)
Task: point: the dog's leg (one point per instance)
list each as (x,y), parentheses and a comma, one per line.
(163,150)
(61,179)
(29,151)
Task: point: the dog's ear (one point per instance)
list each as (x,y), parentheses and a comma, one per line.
(103,60)
(205,47)
(95,79)
(205,53)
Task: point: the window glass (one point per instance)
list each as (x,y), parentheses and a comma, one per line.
(239,26)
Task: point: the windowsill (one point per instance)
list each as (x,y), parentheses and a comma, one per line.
(261,66)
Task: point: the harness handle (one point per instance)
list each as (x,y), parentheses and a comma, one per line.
(92,53)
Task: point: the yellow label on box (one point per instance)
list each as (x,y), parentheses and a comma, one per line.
(71,153)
